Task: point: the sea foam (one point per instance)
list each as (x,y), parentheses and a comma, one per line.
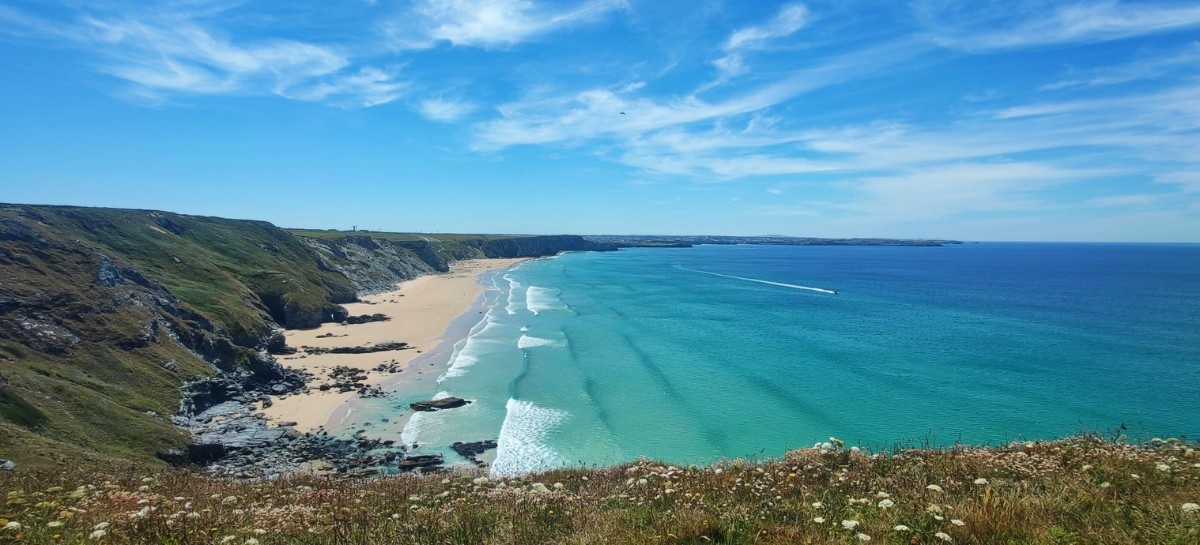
(527,341)
(521,447)
(513,291)
(538,299)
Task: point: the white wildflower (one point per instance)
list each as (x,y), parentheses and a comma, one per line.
(901,528)
(259,531)
(943,536)
(193,515)
(558,486)
(1105,484)
(882,494)
(819,520)
(229,500)
(1162,467)
(862,537)
(227,539)
(957,522)
(251,541)
(886,503)
(641,482)
(1135,476)
(480,480)
(934,488)
(817,505)
(13,526)
(849,524)
(101,526)
(143,488)
(1086,467)
(54,524)
(1190,507)
(981,481)
(98,534)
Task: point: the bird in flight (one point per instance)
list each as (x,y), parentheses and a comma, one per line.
(622,113)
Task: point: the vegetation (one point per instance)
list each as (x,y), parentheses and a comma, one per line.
(1081,490)
(333,234)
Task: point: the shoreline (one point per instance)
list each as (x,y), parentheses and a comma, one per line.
(421,312)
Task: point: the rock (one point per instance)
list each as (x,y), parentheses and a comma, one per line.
(7,465)
(438,404)
(423,461)
(366,318)
(470,451)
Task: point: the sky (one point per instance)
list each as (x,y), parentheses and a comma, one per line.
(973,120)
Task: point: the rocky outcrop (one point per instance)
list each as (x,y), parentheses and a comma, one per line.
(438,404)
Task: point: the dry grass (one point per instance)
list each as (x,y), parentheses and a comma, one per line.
(1080,490)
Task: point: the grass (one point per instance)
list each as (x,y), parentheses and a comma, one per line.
(1080,490)
(333,234)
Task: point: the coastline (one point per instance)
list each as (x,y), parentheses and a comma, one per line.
(421,312)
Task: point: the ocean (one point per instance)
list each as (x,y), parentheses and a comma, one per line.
(692,355)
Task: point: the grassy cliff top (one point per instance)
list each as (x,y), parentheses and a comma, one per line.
(1080,490)
(326,234)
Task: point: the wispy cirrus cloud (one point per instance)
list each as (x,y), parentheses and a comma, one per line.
(177,51)
(446,110)
(1023,25)
(1185,62)
(489,23)
(791,18)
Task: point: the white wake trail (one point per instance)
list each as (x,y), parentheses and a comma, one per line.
(768,282)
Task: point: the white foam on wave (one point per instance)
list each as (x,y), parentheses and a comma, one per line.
(538,299)
(527,341)
(418,422)
(513,288)
(467,355)
(521,447)
(524,328)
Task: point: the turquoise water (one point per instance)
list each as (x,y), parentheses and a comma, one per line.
(692,355)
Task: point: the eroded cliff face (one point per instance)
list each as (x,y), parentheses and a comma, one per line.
(376,264)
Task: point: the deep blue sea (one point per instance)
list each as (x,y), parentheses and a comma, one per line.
(696,354)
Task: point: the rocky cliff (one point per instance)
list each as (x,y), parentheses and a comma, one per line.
(375,263)
(106,313)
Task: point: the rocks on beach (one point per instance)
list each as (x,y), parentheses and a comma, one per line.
(380,347)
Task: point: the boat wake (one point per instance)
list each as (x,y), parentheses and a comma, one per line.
(767,282)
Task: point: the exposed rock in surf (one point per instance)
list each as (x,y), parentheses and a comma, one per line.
(438,404)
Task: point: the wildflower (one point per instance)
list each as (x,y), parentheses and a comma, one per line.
(943,536)
(395,516)
(229,500)
(981,481)
(1190,507)
(251,541)
(1162,467)
(13,526)
(1086,467)
(862,537)
(1135,476)
(259,531)
(558,486)
(101,526)
(54,524)
(641,482)
(227,539)
(97,535)
(849,524)
(885,503)
(143,488)
(934,488)
(901,528)
(193,515)
(882,494)
(1105,484)
(819,520)
(817,505)
(957,522)
(142,513)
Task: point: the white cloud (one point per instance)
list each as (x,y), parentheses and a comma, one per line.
(790,18)
(446,111)
(486,23)
(164,53)
(1184,62)
(1076,23)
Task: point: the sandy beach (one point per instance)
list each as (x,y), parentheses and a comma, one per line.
(420,311)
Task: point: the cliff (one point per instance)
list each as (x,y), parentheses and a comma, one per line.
(106,313)
(375,262)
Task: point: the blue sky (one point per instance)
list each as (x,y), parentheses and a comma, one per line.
(976,120)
